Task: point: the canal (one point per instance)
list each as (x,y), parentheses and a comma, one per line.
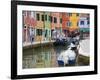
(46,56)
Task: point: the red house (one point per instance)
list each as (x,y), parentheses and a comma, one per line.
(65,19)
(29,23)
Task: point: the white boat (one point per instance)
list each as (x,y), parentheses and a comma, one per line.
(66,56)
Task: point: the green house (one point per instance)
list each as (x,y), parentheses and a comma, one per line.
(47,26)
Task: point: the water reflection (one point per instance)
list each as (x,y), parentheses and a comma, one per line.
(46,56)
(40,57)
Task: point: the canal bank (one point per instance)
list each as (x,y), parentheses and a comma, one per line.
(37,44)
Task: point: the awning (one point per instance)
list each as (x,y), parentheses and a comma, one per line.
(85,29)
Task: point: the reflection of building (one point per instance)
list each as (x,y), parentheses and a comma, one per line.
(73,22)
(40,61)
(29,61)
(84,22)
(39,26)
(53,58)
(29,24)
(48,59)
(43,60)
(47,25)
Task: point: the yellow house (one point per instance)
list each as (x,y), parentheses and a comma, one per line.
(39,26)
(73,21)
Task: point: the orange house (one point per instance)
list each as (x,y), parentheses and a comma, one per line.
(56,23)
(65,19)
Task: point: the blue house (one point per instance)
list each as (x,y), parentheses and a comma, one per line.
(84,23)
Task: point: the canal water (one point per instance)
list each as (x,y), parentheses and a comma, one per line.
(46,56)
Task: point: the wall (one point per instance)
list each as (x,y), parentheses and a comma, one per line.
(5,29)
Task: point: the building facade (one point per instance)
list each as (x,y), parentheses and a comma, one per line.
(65,20)
(84,22)
(47,26)
(40,26)
(29,24)
(56,27)
(73,21)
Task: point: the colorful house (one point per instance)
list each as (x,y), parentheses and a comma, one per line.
(47,59)
(47,26)
(29,24)
(84,22)
(65,20)
(73,21)
(40,26)
(55,24)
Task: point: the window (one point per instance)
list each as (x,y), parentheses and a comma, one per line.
(60,20)
(69,14)
(77,24)
(39,32)
(55,20)
(46,33)
(82,22)
(77,14)
(69,24)
(88,22)
(87,18)
(45,17)
(51,18)
(38,17)
(49,32)
(42,17)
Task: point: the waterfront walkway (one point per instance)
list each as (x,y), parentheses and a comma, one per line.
(26,44)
